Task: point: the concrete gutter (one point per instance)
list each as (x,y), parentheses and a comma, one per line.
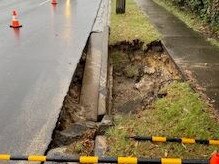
(94,86)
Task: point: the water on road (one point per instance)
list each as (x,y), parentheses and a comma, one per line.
(37,63)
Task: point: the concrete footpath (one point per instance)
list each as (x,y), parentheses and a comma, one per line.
(191,52)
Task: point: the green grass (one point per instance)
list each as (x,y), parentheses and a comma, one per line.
(213,42)
(191,19)
(131,25)
(180,114)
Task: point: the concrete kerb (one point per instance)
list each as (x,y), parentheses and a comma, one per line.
(166,50)
(90,85)
(94,90)
(101,26)
(103,76)
(184,77)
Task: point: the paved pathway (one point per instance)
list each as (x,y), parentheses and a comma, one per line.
(189,50)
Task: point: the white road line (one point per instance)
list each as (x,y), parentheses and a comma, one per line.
(44,2)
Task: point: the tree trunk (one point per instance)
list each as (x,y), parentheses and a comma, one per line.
(120,6)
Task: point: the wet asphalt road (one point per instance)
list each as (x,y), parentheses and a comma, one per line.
(189,49)
(37,63)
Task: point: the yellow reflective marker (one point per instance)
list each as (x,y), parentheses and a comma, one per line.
(127,160)
(37,158)
(214,142)
(171,161)
(88,159)
(159,139)
(5,157)
(188,141)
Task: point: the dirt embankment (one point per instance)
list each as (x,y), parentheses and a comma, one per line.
(140,71)
(73,135)
(150,98)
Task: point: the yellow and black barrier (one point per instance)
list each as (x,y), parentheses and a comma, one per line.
(94,159)
(178,140)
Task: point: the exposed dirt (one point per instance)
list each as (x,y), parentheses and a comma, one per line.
(72,131)
(139,73)
(71,110)
(140,76)
(84,146)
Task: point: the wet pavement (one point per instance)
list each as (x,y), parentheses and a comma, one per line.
(190,51)
(37,63)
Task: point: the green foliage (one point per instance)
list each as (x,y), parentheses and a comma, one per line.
(187,112)
(194,20)
(208,10)
(180,114)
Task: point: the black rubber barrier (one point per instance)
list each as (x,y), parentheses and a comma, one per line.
(94,159)
(178,140)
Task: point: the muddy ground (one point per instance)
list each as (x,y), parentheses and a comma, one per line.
(73,134)
(139,71)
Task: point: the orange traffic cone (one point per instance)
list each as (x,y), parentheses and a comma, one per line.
(15,22)
(54,2)
(214,159)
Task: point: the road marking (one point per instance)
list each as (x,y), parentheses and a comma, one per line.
(44,2)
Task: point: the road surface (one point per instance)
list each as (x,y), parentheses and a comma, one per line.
(37,63)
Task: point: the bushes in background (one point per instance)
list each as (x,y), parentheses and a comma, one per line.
(208,10)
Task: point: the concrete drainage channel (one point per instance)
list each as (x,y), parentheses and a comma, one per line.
(84,115)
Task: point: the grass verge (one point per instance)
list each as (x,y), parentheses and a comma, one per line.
(180,114)
(131,25)
(192,20)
